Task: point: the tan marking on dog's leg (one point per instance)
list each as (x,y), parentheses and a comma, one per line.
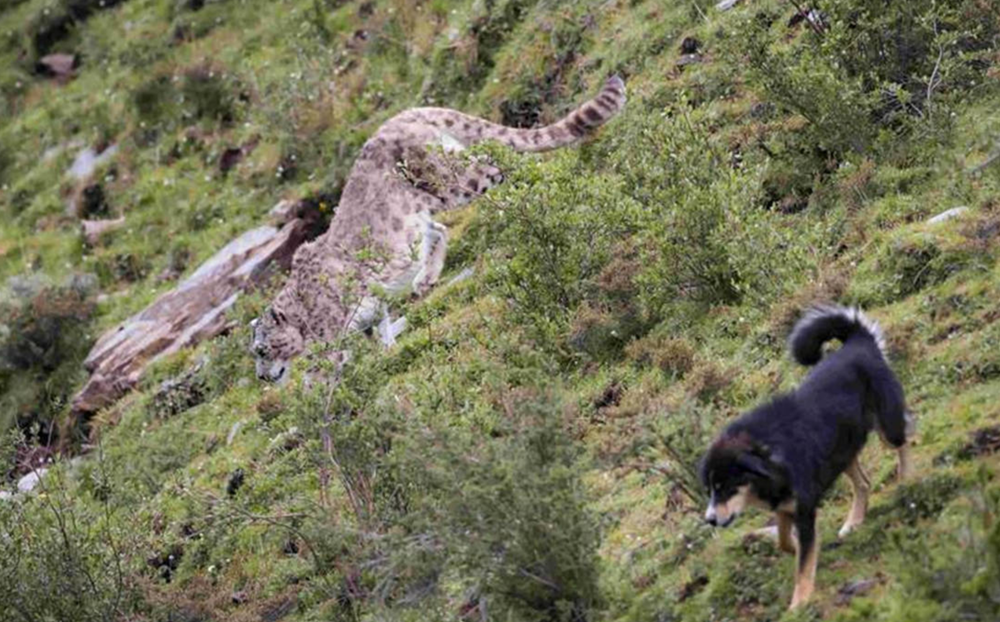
(805,574)
(786,539)
(903,456)
(859,506)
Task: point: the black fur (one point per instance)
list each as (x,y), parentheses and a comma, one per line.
(794,448)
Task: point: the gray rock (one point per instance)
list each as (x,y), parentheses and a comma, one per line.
(93,229)
(688,59)
(852,589)
(60,66)
(465,274)
(389,329)
(87,161)
(954,212)
(190,313)
(284,211)
(233,431)
(31,480)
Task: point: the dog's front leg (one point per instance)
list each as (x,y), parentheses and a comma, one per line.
(808,553)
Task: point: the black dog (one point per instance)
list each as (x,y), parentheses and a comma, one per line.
(785,455)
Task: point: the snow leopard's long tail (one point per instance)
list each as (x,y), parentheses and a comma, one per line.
(576,125)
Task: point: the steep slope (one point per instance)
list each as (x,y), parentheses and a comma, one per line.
(526,452)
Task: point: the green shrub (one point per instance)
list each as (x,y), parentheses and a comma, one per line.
(867,66)
(196,93)
(801,80)
(553,232)
(462,65)
(43,338)
(909,52)
(70,552)
(509,513)
(704,239)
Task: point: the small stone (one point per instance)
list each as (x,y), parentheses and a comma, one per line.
(954,212)
(465,274)
(59,66)
(854,588)
(94,230)
(285,211)
(233,431)
(30,481)
(688,59)
(88,160)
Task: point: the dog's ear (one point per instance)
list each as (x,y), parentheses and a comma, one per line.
(701,468)
(755,463)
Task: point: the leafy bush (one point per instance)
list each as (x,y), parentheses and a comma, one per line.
(196,93)
(908,53)
(803,81)
(53,23)
(43,338)
(704,238)
(553,232)
(461,65)
(442,518)
(866,66)
(509,513)
(69,552)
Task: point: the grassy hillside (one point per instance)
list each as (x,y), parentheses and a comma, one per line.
(526,452)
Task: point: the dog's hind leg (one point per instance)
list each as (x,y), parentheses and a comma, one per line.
(807,558)
(859,506)
(903,455)
(780,531)
(786,540)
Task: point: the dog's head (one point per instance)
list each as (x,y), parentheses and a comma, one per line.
(735,471)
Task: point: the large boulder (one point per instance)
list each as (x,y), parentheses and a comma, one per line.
(192,312)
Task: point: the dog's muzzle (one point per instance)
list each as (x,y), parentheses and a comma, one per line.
(713,519)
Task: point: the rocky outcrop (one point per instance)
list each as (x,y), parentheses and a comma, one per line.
(193,311)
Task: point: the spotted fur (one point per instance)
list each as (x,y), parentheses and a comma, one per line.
(383,235)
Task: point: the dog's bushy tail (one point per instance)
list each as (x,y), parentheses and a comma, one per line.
(823,323)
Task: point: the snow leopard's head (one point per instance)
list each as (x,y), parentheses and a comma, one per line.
(276,341)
